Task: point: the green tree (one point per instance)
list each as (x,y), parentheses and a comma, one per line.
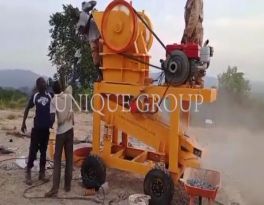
(234,83)
(64,44)
(10,98)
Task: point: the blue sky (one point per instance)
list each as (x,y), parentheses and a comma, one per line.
(234,27)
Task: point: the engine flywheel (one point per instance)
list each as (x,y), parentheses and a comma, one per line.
(177,68)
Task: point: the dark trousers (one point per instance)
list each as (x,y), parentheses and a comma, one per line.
(39,142)
(65,141)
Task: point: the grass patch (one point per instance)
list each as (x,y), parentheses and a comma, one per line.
(13,99)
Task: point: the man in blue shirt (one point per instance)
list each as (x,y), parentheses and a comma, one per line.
(43,121)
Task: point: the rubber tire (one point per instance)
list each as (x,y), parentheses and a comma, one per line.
(96,165)
(166,197)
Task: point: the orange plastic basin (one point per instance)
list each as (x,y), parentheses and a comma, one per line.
(208,176)
(194,191)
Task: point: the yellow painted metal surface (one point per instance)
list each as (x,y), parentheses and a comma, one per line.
(119,28)
(122,32)
(178,149)
(187,94)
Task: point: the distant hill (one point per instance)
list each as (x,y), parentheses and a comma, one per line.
(257,87)
(209,80)
(23,80)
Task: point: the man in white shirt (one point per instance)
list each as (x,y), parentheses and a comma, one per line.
(61,104)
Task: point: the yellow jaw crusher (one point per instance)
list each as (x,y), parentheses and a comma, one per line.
(122,103)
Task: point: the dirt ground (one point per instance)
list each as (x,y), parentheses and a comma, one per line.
(233,152)
(238,154)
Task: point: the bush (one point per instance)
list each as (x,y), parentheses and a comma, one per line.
(12,98)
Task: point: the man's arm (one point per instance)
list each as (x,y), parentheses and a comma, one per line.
(52,112)
(52,119)
(29,106)
(73,122)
